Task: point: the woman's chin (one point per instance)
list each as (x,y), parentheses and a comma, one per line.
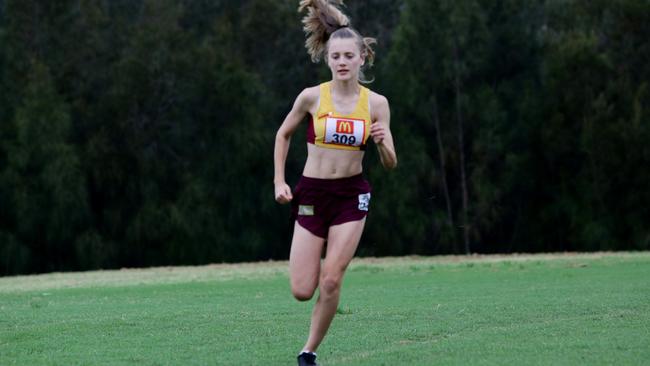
(343,77)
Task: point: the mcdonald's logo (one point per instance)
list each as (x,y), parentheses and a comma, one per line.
(343,126)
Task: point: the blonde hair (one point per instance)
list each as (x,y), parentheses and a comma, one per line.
(324,21)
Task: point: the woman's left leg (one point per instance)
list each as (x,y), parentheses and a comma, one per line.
(342,242)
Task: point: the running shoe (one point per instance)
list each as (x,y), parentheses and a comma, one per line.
(307,359)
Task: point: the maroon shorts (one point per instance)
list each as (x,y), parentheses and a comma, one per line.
(320,203)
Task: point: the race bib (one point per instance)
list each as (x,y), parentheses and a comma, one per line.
(344,131)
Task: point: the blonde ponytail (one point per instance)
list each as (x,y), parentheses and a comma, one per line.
(322,19)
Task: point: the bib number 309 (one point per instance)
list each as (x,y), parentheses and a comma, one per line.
(348,132)
(344,139)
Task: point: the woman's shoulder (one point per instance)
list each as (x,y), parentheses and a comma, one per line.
(310,94)
(312,91)
(376,99)
(308,97)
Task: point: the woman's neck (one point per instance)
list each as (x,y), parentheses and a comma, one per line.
(345,88)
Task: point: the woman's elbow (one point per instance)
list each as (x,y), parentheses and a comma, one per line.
(390,164)
(281,136)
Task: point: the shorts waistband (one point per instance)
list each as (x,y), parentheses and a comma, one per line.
(353,178)
(334,184)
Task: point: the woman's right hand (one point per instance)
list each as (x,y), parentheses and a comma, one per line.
(283,193)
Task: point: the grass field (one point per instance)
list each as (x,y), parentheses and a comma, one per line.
(507,310)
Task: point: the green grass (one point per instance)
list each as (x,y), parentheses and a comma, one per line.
(532,310)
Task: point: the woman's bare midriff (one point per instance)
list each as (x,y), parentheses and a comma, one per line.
(324,163)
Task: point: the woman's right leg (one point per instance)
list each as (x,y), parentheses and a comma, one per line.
(304,262)
(342,243)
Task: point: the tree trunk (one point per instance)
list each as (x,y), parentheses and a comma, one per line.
(443,172)
(461,147)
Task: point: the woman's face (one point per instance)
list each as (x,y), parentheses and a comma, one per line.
(344,59)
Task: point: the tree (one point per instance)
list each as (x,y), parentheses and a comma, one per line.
(49,199)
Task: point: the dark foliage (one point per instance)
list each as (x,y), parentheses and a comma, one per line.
(140,133)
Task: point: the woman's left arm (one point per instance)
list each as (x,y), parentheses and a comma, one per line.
(380,131)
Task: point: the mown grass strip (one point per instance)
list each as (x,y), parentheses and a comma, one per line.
(560,309)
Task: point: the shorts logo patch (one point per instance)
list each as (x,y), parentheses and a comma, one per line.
(306,210)
(364,201)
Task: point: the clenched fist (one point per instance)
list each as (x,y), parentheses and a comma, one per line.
(283,193)
(378,132)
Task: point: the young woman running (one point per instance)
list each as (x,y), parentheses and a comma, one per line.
(331,200)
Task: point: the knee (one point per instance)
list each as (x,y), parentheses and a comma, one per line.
(302,293)
(330,284)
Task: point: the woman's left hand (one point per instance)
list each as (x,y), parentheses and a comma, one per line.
(378,132)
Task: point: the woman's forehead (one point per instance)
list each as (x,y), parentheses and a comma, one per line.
(342,45)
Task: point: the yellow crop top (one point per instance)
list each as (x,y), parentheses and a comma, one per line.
(333,130)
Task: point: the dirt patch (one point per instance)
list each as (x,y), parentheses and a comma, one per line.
(223,272)
(492,258)
(142,276)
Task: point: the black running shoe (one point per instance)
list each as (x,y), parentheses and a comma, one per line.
(307,359)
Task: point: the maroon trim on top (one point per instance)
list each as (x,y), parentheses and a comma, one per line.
(311,133)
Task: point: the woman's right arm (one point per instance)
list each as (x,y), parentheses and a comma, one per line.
(301,107)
